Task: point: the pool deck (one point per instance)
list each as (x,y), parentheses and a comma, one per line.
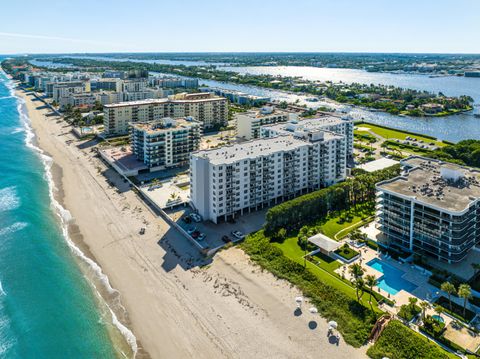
(423,291)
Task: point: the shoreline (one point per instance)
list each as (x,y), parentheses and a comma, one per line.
(103,293)
(176,302)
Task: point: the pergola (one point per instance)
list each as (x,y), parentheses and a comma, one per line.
(324,243)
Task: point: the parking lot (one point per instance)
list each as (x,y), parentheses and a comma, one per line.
(214,232)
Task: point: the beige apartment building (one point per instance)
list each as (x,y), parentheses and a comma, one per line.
(210,110)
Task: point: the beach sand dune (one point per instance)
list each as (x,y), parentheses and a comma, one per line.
(178,304)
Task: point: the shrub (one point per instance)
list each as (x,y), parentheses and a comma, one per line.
(355,321)
(400,342)
(407,311)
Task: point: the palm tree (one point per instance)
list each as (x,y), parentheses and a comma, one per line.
(448,288)
(356,271)
(370,282)
(465,292)
(412,302)
(424,306)
(439,310)
(359,284)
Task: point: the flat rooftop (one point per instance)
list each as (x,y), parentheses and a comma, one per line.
(379,164)
(160,101)
(443,185)
(311,124)
(250,149)
(165,125)
(260,114)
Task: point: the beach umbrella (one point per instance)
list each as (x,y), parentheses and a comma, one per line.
(332,324)
(313,310)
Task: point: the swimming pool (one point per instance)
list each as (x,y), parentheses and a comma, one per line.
(391,281)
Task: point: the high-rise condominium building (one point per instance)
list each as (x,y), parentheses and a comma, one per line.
(228,181)
(432,209)
(166,142)
(206,108)
(341,126)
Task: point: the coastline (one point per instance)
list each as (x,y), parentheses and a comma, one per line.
(177,303)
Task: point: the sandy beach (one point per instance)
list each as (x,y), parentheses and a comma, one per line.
(177,304)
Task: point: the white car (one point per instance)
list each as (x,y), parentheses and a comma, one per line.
(196,217)
(201,237)
(238,234)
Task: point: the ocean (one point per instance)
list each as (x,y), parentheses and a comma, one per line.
(48,307)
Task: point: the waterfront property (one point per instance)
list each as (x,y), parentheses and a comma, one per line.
(250,122)
(231,180)
(391,281)
(165,142)
(432,209)
(206,108)
(342,126)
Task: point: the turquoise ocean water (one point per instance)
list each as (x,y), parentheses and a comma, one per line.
(47,307)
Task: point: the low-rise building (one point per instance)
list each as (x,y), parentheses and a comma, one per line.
(210,110)
(432,209)
(238,97)
(78,100)
(250,122)
(165,142)
(226,182)
(65,89)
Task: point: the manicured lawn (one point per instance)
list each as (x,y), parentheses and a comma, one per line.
(390,133)
(346,252)
(325,262)
(293,251)
(334,224)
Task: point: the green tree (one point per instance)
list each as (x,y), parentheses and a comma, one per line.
(357,272)
(412,301)
(370,282)
(424,306)
(448,288)
(465,292)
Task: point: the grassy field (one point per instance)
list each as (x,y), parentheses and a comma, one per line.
(293,251)
(390,133)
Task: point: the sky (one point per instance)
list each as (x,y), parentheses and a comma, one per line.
(65,26)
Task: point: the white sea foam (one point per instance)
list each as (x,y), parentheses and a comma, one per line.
(65,217)
(17,130)
(2,291)
(5,97)
(17,226)
(8,199)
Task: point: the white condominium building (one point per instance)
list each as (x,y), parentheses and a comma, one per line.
(228,181)
(249,123)
(165,142)
(341,126)
(66,89)
(208,109)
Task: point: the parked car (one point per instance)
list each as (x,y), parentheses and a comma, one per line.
(191,230)
(196,217)
(238,234)
(195,234)
(201,237)
(187,219)
(226,239)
